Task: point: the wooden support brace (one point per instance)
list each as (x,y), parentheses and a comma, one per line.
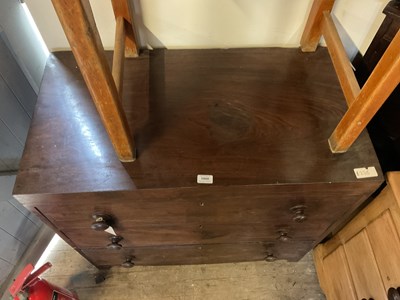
(119,54)
(380,84)
(342,64)
(313,30)
(77,20)
(122,9)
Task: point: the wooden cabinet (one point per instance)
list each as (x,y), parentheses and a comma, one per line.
(362,260)
(258,120)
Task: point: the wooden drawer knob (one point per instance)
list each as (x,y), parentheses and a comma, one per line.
(283,236)
(101,222)
(299,215)
(115,245)
(270,258)
(128,263)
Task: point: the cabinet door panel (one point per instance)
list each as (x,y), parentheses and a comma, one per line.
(363,268)
(385,243)
(338,278)
(371,242)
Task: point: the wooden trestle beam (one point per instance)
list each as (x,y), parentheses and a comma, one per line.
(344,71)
(380,84)
(77,20)
(122,9)
(119,54)
(364,103)
(313,30)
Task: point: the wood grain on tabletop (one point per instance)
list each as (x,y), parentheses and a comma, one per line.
(78,22)
(245,116)
(213,111)
(256,119)
(59,156)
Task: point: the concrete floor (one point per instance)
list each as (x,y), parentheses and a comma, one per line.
(256,280)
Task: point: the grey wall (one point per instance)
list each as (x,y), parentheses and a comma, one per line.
(17,102)
(23,42)
(22,63)
(17,227)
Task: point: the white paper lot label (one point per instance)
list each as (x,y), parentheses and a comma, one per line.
(110,230)
(205,179)
(365,172)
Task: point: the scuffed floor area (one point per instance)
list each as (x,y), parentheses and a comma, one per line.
(257,280)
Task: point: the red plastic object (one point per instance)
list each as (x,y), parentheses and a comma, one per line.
(29,286)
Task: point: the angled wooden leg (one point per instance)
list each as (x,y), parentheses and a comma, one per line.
(122,9)
(340,61)
(379,86)
(313,31)
(119,54)
(77,20)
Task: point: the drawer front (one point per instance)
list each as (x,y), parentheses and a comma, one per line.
(204,216)
(185,234)
(198,254)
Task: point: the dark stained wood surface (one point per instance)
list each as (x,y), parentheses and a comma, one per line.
(256,119)
(201,215)
(197,254)
(67,148)
(245,116)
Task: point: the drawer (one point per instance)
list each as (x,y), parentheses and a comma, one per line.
(211,205)
(204,215)
(198,254)
(186,234)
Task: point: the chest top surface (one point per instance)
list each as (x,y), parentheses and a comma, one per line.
(245,116)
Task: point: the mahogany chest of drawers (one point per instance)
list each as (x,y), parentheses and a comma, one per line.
(257,120)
